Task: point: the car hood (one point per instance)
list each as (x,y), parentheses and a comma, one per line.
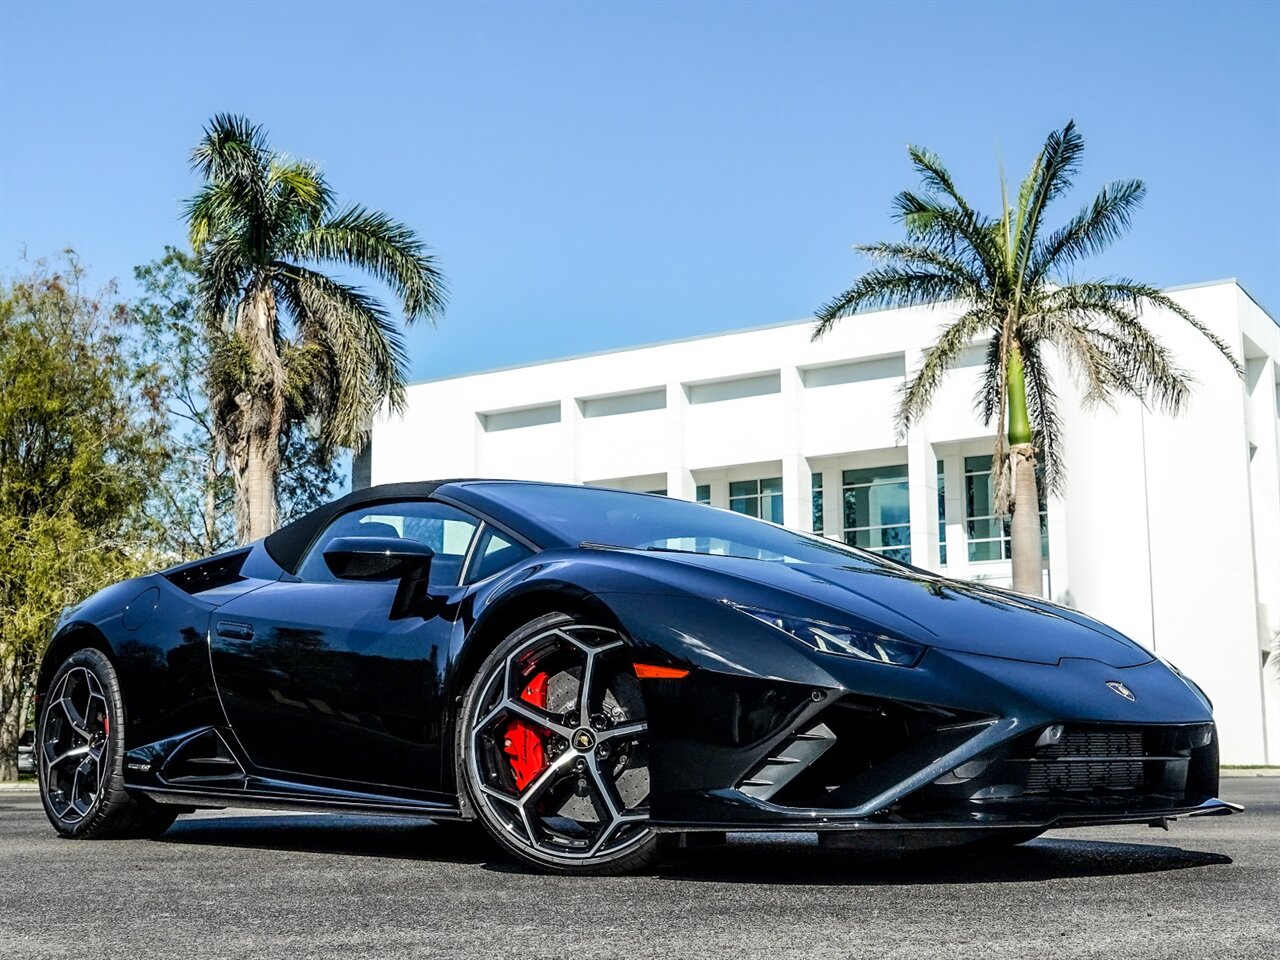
(948,614)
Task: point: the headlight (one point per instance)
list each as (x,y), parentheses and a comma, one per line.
(843,641)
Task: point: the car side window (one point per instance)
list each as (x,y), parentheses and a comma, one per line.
(494,553)
(445,529)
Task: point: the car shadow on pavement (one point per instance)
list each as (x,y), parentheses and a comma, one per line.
(344,836)
(788,862)
(771,859)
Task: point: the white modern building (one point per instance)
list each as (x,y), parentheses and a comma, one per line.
(1169,529)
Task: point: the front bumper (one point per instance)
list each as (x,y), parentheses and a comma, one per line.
(787,822)
(767,735)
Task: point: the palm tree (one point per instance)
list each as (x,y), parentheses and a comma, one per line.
(292,345)
(1010,280)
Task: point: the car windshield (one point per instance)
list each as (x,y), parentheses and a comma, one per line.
(594,516)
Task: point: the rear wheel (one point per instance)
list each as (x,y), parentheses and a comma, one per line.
(553,746)
(80,756)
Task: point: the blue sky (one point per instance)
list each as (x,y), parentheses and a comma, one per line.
(593,175)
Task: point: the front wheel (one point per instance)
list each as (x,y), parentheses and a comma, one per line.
(553,749)
(80,756)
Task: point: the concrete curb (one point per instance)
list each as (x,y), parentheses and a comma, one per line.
(19,787)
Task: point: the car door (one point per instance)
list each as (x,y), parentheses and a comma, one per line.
(319,683)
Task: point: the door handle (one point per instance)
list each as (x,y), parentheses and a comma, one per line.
(234,630)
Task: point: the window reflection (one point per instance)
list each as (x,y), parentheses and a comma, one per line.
(989,534)
(877,510)
(761,499)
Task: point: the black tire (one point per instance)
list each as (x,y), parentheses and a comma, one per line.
(618,839)
(88,800)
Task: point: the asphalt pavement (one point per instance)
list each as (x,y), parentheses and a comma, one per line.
(237,884)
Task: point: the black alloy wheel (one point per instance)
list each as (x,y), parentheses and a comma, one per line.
(553,747)
(80,756)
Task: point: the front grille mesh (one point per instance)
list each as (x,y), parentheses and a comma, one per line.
(1085,760)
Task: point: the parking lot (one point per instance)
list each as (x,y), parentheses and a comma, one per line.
(234,884)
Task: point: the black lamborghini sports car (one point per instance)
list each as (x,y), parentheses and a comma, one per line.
(584,670)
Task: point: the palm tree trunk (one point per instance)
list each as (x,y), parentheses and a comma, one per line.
(1028,576)
(256,454)
(11,716)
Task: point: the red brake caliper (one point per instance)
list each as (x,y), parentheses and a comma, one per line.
(523,741)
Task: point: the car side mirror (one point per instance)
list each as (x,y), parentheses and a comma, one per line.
(384,558)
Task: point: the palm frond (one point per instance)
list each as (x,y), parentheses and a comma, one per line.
(936,178)
(918,392)
(1026,190)
(951,230)
(922,255)
(1054,172)
(365,353)
(1141,364)
(232,148)
(1090,232)
(1089,353)
(888,286)
(234,158)
(384,247)
(222,277)
(986,402)
(208,211)
(300,191)
(1137,297)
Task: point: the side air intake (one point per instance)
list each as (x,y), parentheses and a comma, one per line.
(201,759)
(208,574)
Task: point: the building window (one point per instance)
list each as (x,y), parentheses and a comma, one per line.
(942,518)
(757,498)
(817,504)
(703,493)
(877,511)
(989,534)
(660,493)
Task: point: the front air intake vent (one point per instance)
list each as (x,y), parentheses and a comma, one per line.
(788,762)
(1088,760)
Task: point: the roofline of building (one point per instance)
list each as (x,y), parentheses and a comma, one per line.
(754,329)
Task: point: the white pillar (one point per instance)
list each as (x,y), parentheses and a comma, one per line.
(720,492)
(957,529)
(1262,419)
(797,492)
(833,503)
(922,495)
(570,419)
(680,482)
(1059,585)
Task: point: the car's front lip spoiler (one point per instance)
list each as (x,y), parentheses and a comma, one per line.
(1210,808)
(1213,807)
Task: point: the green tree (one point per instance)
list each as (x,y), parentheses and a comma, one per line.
(192,508)
(1010,278)
(79,451)
(291,343)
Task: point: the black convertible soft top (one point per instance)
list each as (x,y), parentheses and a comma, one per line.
(287,545)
